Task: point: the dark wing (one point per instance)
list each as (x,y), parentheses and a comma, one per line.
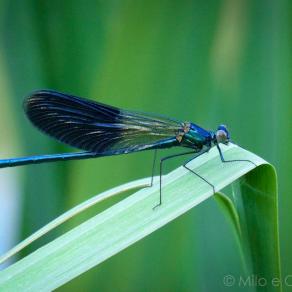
(96,127)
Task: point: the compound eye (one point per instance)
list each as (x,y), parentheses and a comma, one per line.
(221,136)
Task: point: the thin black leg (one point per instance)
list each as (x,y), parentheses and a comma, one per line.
(153,168)
(234,160)
(160,172)
(185,166)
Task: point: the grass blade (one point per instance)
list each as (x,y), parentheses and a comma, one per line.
(73,212)
(125,223)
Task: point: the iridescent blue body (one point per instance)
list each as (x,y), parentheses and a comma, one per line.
(103,130)
(197,137)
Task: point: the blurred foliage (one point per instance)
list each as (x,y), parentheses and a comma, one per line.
(209,62)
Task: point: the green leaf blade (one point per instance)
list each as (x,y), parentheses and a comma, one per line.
(125,223)
(257,206)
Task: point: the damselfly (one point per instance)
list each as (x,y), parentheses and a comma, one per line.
(103,130)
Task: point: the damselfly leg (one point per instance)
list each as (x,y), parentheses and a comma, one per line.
(198,175)
(192,171)
(233,160)
(161,167)
(153,168)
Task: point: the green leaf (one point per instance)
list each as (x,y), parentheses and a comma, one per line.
(256,201)
(254,217)
(133,218)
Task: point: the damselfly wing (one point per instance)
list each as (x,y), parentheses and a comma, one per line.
(107,130)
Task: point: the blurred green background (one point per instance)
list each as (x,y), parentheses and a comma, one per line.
(209,62)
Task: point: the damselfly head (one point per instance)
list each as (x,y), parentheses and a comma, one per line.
(222,135)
